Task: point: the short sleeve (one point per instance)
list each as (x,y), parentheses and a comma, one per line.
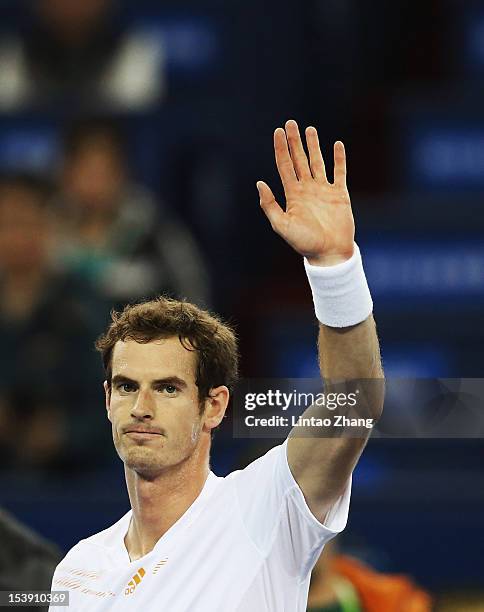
(277,517)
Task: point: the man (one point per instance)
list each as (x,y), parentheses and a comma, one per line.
(115,234)
(79,55)
(46,314)
(27,561)
(246,542)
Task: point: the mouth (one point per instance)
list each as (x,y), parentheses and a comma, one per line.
(143,435)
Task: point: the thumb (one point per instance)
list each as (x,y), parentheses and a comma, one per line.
(271,208)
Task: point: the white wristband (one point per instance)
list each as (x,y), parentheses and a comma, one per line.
(340,293)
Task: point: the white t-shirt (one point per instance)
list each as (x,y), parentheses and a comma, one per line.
(248,543)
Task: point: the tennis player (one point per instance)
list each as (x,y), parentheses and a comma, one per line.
(192,541)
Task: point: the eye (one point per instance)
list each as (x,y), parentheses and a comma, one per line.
(126,387)
(169,389)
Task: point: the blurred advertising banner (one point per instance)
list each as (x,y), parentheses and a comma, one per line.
(425,269)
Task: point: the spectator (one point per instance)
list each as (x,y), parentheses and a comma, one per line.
(47,327)
(114,233)
(340,583)
(77,53)
(27,562)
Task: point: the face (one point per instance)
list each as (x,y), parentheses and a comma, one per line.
(154,407)
(24,230)
(68,14)
(94,178)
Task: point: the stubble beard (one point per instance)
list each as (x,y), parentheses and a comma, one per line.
(151,462)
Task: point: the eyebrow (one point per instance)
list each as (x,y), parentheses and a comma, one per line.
(168,380)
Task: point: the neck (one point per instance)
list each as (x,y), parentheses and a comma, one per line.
(158,502)
(94,226)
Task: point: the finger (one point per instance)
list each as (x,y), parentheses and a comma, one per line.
(296,148)
(316,160)
(283,160)
(268,203)
(339,164)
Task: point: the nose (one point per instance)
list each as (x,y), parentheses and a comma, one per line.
(143,408)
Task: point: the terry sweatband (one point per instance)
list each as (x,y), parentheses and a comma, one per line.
(340,293)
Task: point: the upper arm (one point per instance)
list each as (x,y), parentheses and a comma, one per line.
(322,467)
(276,514)
(324,458)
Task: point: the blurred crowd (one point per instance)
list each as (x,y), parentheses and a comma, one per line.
(78,53)
(78,236)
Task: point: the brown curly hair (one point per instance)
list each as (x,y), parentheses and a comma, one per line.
(198,330)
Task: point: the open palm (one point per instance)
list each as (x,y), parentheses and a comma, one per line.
(318,222)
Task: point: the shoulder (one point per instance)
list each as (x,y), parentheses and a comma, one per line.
(107,539)
(135,76)
(264,484)
(266,466)
(23,552)
(18,538)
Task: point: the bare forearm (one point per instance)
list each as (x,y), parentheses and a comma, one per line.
(349,352)
(349,361)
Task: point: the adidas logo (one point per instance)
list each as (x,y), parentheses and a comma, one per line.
(133,583)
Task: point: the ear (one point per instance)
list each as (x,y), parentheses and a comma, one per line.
(107,395)
(215,407)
